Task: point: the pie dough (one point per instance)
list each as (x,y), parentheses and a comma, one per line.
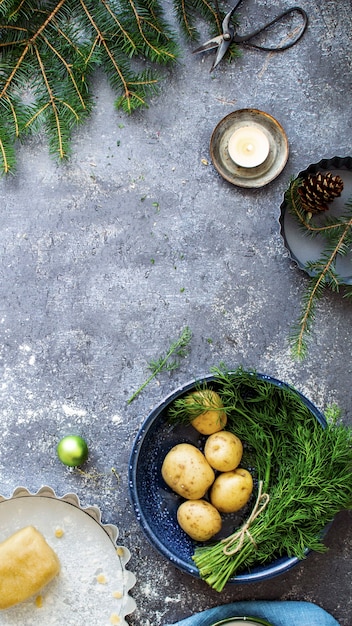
(27,563)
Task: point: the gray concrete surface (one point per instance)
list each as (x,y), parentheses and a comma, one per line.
(106,258)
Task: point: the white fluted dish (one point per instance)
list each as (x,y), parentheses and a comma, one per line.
(93,584)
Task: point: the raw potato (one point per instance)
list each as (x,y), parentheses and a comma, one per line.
(199,519)
(223,451)
(186,470)
(211,420)
(231,490)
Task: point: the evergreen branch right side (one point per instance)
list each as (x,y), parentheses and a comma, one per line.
(337,233)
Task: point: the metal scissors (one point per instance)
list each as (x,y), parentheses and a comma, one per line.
(229,35)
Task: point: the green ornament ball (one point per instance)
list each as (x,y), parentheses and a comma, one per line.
(72,450)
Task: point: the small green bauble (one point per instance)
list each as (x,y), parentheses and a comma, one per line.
(72,450)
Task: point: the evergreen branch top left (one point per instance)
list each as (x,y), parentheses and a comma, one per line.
(43,57)
(48,49)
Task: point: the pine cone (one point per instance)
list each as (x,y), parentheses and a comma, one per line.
(317,190)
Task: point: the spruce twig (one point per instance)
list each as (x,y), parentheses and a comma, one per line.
(178,349)
(48,51)
(187,13)
(337,232)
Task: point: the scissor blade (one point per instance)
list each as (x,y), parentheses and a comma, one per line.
(223,48)
(209,45)
(226,23)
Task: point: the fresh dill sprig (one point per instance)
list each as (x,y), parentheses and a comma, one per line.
(333,413)
(178,350)
(304,466)
(188,408)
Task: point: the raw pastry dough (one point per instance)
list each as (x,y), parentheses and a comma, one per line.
(27,563)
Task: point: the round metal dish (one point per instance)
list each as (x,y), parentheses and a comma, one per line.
(93,584)
(155,505)
(254,176)
(243,621)
(301,246)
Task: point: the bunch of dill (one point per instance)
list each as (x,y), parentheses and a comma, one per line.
(303,466)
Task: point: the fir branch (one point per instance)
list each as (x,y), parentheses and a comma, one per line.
(300,331)
(7,153)
(7,7)
(187,12)
(337,232)
(178,349)
(348,293)
(49,50)
(150,25)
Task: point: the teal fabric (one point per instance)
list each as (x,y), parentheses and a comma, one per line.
(288,613)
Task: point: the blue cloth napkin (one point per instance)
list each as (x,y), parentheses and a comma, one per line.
(285,613)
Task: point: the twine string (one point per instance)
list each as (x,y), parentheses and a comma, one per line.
(236,540)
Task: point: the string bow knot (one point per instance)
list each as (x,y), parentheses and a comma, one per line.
(236,539)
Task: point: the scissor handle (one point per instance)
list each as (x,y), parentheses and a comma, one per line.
(246,38)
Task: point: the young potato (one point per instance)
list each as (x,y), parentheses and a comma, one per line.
(199,519)
(212,419)
(231,490)
(223,451)
(186,470)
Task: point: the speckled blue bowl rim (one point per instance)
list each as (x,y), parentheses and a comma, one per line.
(339,163)
(257,574)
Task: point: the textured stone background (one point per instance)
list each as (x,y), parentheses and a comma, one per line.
(106,258)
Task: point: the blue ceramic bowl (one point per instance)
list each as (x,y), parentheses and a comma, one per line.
(155,504)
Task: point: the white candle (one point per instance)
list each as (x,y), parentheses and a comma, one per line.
(248,146)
